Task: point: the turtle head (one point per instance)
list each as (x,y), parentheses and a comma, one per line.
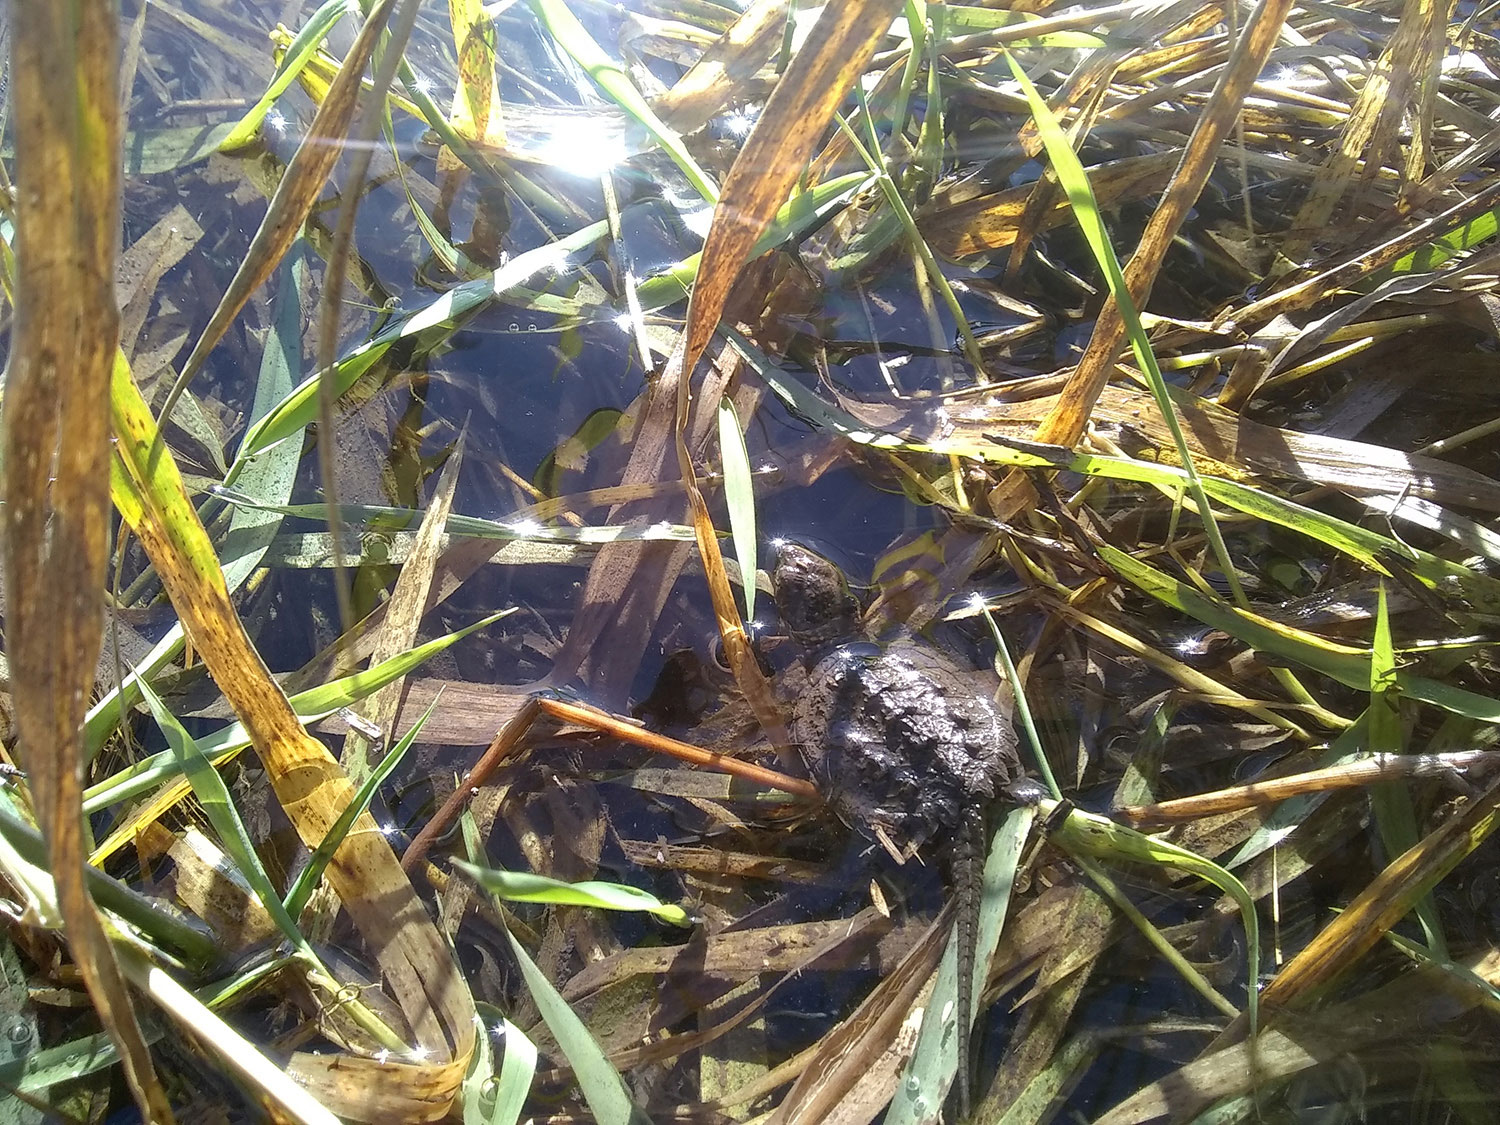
(817,607)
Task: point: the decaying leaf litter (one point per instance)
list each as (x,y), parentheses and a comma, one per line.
(909,282)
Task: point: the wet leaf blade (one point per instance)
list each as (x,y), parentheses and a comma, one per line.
(415,964)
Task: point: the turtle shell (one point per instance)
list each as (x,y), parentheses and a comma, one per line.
(901,737)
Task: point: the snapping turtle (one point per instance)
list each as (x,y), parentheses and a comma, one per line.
(903,740)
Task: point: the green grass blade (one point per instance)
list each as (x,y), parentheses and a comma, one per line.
(299,408)
(310,705)
(307,880)
(377,516)
(522,886)
(496,1096)
(1395,817)
(1096,836)
(1075,183)
(1348,666)
(602,1086)
(301,50)
(23,859)
(934,1060)
(213,796)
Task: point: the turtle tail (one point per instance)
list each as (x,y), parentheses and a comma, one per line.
(968,884)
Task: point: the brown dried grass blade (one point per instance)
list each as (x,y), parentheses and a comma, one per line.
(1388,899)
(56,440)
(1065,425)
(1350,775)
(1371,133)
(1405,1012)
(844,1056)
(763,175)
(299,188)
(723,70)
(397,631)
(777,151)
(415,963)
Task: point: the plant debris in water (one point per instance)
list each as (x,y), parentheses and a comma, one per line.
(1142,348)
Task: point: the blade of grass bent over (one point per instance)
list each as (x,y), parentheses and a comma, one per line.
(414,961)
(299,188)
(1075,182)
(55,435)
(772,159)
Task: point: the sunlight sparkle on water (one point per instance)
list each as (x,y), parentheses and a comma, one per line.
(524,528)
(423,85)
(741,121)
(276,121)
(693,212)
(583,146)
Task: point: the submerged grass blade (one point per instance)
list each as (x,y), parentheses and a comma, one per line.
(1096,836)
(300,186)
(312,872)
(497,1095)
(299,52)
(217,803)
